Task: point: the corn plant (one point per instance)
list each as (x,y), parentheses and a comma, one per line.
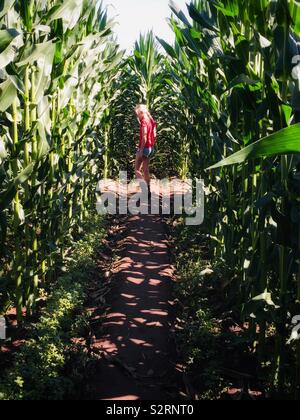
(233,62)
(145,77)
(58,60)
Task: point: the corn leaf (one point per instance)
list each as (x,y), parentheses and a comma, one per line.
(179,13)
(39,52)
(69,11)
(285,141)
(5,5)
(10,41)
(8,94)
(201,18)
(9,192)
(3,153)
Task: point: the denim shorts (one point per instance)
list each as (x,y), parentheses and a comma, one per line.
(148,152)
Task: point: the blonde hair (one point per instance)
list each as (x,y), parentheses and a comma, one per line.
(142,108)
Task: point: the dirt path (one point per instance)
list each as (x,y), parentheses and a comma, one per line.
(140,356)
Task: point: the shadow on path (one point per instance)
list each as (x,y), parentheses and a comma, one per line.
(140,354)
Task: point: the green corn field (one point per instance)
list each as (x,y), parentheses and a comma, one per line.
(226,97)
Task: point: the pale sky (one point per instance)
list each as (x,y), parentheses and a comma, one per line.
(136,16)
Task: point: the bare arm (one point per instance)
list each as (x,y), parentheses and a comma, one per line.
(143,140)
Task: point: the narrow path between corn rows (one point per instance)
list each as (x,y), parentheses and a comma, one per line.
(139,351)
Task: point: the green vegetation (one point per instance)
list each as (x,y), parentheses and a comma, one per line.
(58,60)
(54,364)
(234,64)
(216,345)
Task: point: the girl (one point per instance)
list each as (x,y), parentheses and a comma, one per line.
(146,143)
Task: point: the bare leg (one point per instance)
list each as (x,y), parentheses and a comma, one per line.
(146,169)
(138,167)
